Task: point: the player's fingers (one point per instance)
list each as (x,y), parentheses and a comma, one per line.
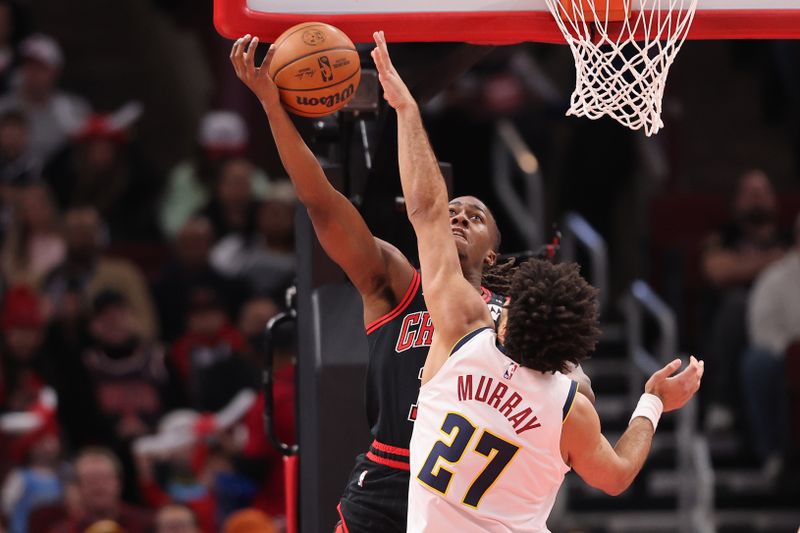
(237,54)
(380,41)
(668,370)
(385,52)
(250,51)
(378,58)
(235,50)
(267,58)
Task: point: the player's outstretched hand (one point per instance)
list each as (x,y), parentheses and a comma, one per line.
(675,391)
(256,78)
(394,88)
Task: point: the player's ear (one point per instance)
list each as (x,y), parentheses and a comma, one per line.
(491,258)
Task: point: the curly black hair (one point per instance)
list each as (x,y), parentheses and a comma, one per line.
(552,314)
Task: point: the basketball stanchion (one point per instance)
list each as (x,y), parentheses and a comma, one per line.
(288,451)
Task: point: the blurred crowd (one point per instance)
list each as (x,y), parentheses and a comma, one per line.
(752,267)
(132,316)
(133,301)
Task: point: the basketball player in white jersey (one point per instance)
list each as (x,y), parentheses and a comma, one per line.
(497,428)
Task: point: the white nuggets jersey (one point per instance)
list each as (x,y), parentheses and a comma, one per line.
(485,451)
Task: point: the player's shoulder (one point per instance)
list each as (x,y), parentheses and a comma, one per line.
(396,277)
(580,417)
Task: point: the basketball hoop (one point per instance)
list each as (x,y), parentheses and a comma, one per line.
(623,50)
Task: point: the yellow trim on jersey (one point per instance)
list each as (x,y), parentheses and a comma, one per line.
(572,404)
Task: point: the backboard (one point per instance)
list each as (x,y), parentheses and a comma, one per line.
(482,21)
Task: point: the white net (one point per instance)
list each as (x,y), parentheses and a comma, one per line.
(621,66)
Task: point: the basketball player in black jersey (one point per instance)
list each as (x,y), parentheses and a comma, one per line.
(398,327)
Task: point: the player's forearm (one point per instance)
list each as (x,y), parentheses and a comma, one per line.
(730,268)
(308,178)
(423,185)
(632,449)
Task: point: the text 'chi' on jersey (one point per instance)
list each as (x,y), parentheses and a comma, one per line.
(398,346)
(485,454)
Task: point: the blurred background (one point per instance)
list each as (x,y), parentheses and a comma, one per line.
(147,235)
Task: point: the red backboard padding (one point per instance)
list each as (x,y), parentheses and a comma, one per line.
(233,19)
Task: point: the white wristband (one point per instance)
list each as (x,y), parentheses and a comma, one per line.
(649,407)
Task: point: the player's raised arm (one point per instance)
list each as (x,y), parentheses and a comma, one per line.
(454,305)
(372,265)
(612,470)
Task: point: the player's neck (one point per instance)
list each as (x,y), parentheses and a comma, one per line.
(473,276)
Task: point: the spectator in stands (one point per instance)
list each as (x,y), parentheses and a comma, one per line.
(18,166)
(132,383)
(773,320)
(733,258)
(253,319)
(196,456)
(182,488)
(70,507)
(264,259)
(102,167)
(22,368)
(99,477)
(37,482)
(89,271)
(208,356)
(33,245)
(7,51)
(223,135)
(190,268)
(233,207)
(176,518)
(186,463)
(130,379)
(53,115)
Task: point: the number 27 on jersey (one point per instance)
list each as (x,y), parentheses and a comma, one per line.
(460,430)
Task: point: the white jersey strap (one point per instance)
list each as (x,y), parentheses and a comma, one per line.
(466,338)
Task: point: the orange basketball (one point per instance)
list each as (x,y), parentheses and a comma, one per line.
(316,68)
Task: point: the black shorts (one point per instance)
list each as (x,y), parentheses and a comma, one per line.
(375,499)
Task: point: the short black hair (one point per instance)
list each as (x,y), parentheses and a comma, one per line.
(552,316)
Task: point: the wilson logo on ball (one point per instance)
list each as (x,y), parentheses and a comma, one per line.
(328,101)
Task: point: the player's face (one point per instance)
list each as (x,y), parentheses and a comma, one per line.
(474,230)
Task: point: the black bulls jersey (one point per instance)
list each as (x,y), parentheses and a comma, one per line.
(398,346)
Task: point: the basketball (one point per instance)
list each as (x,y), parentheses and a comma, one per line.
(316,68)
